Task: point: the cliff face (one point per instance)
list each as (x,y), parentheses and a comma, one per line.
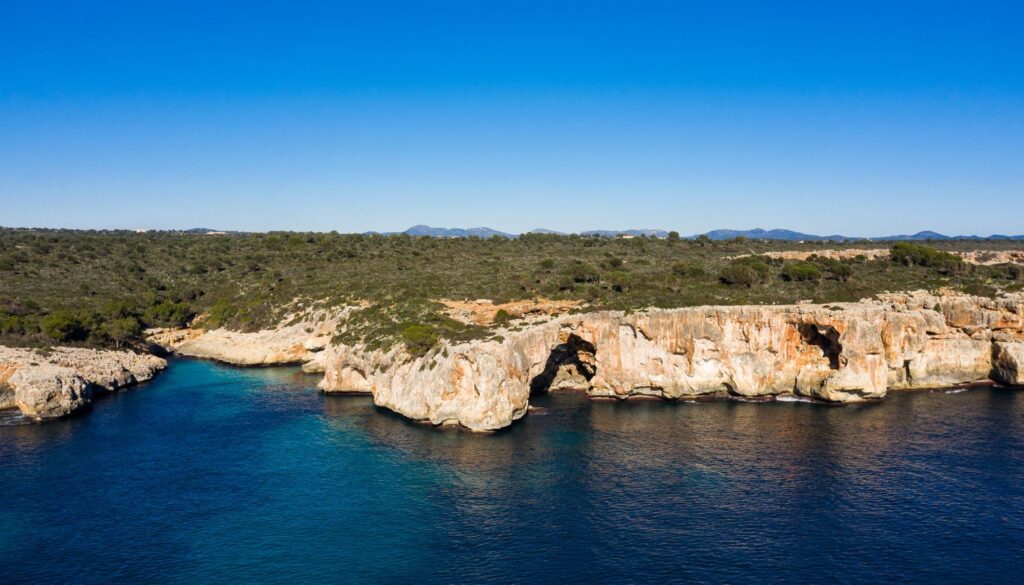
(298,341)
(842,352)
(66,379)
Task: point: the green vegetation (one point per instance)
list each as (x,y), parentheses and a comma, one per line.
(420,338)
(502,317)
(801,271)
(912,254)
(747,271)
(104,288)
(62,325)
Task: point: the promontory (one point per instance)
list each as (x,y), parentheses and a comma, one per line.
(463,331)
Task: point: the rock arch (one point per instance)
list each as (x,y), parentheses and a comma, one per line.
(827,338)
(570,365)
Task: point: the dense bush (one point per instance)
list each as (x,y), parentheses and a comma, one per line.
(693,270)
(747,271)
(502,317)
(63,325)
(169,314)
(801,271)
(13,325)
(911,254)
(583,272)
(419,339)
(740,274)
(839,271)
(123,330)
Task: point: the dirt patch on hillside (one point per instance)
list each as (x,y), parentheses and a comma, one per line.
(483,311)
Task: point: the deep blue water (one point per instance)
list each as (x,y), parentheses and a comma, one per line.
(212,474)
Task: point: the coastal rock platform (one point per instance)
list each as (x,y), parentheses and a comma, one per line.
(839,352)
(63,380)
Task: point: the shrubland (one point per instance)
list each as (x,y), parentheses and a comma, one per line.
(103,288)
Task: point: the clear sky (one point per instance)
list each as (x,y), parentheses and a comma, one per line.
(860,118)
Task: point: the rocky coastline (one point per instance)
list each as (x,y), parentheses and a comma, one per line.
(64,380)
(299,340)
(839,352)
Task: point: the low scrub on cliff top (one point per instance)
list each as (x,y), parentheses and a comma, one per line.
(912,254)
(103,288)
(801,271)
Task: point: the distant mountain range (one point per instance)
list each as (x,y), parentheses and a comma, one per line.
(438,232)
(482,232)
(754,234)
(207,231)
(777,234)
(634,233)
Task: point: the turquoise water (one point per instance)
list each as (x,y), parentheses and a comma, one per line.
(213,474)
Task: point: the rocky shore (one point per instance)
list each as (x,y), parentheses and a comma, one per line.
(840,352)
(61,381)
(299,340)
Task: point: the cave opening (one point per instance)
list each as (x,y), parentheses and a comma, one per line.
(570,366)
(826,338)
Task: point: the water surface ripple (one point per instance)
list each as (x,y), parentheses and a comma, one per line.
(212,474)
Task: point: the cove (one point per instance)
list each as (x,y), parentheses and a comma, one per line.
(216,474)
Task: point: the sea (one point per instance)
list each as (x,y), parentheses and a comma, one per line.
(218,474)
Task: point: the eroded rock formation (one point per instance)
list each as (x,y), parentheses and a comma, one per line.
(840,352)
(299,340)
(484,311)
(982,257)
(64,380)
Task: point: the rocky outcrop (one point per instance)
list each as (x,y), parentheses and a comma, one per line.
(1008,362)
(841,352)
(845,254)
(990,257)
(59,382)
(299,340)
(981,257)
(49,391)
(485,311)
(6,391)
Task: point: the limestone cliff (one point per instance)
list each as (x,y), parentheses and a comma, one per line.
(65,379)
(841,352)
(299,340)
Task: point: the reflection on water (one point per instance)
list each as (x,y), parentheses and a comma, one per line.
(222,474)
(10,417)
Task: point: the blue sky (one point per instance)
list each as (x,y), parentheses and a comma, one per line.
(862,118)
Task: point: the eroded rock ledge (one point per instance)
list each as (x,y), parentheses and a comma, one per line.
(299,340)
(64,380)
(840,352)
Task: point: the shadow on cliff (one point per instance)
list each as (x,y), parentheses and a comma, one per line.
(570,365)
(826,338)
